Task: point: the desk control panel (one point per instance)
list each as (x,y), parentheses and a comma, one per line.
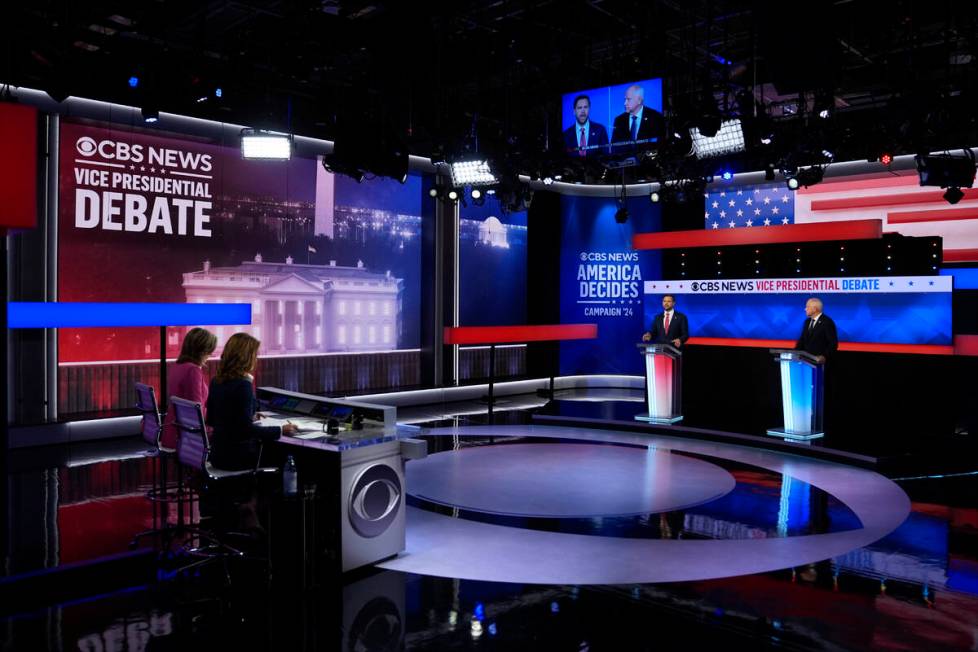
(327,420)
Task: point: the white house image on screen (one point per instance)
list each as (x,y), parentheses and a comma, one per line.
(305,308)
(493,233)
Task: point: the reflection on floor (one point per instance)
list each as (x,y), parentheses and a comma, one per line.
(914,589)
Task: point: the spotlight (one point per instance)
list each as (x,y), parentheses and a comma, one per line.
(453,194)
(218,92)
(258,144)
(548,181)
(792,183)
(433,192)
(472,173)
(478,197)
(476,193)
(654,197)
(828,154)
(133,81)
(947,171)
(150,115)
(824,113)
(766,140)
(727,175)
(810,176)
(886,158)
(953,195)
(729,139)
(621,215)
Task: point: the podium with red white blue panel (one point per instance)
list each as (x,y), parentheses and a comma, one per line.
(663,383)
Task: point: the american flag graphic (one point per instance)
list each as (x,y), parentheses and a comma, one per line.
(751,206)
(895,198)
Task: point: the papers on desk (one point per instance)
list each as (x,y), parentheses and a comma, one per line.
(309,426)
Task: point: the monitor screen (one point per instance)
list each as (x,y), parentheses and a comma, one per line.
(613,118)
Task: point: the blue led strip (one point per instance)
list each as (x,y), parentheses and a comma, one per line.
(88,315)
(965,278)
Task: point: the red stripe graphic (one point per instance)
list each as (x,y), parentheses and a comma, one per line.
(960,255)
(931,197)
(813,232)
(506,334)
(944,215)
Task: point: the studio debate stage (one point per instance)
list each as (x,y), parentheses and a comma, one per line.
(567,505)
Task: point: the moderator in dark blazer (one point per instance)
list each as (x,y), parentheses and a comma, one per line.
(652,125)
(231,408)
(678,329)
(597,136)
(821,340)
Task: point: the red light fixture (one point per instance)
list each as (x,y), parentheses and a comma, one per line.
(886,158)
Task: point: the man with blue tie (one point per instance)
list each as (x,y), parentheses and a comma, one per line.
(584,137)
(669,326)
(638,122)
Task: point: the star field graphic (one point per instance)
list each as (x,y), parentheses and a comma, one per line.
(749,207)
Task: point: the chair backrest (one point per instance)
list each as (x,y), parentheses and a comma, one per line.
(193,447)
(152,421)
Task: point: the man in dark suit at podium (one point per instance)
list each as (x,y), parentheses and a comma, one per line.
(818,335)
(669,326)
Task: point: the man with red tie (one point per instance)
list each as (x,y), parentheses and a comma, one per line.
(669,326)
(585,137)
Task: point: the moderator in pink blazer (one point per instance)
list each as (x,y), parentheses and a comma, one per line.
(185,380)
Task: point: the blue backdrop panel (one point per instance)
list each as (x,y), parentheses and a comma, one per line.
(885,318)
(598,283)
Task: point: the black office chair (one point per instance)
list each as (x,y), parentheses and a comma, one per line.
(193,451)
(162,493)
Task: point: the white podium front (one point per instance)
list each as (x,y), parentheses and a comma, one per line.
(663,382)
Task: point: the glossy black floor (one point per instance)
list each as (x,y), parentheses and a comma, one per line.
(917,589)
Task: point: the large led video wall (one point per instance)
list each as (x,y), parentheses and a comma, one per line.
(327,264)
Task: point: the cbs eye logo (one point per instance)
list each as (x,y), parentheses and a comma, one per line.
(374,500)
(86,146)
(696,287)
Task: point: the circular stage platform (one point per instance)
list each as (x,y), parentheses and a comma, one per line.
(477,480)
(566,480)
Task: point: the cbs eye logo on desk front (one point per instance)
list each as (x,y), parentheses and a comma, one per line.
(374,500)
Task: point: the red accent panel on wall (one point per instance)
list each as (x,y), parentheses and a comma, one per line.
(817,232)
(511,334)
(18,166)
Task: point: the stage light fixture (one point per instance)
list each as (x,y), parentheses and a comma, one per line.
(548,181)
(727,175)
(474,172)
(769,172)
(150,115)
(953,195)
(808,177)
(262,145)
(621,215)
(433,192)
(218,92)
(792,183)
(133,81)
(476,193)
(655,197)
(766,140)
(886,158)
(478,197)
(453,194)
(728,140)
(946,171)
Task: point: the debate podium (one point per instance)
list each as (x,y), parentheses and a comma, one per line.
(663,383)
(802,377)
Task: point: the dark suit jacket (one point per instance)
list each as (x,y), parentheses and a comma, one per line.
(678,328)
(652,125)
(821,340)
(231,408)
(597,135)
